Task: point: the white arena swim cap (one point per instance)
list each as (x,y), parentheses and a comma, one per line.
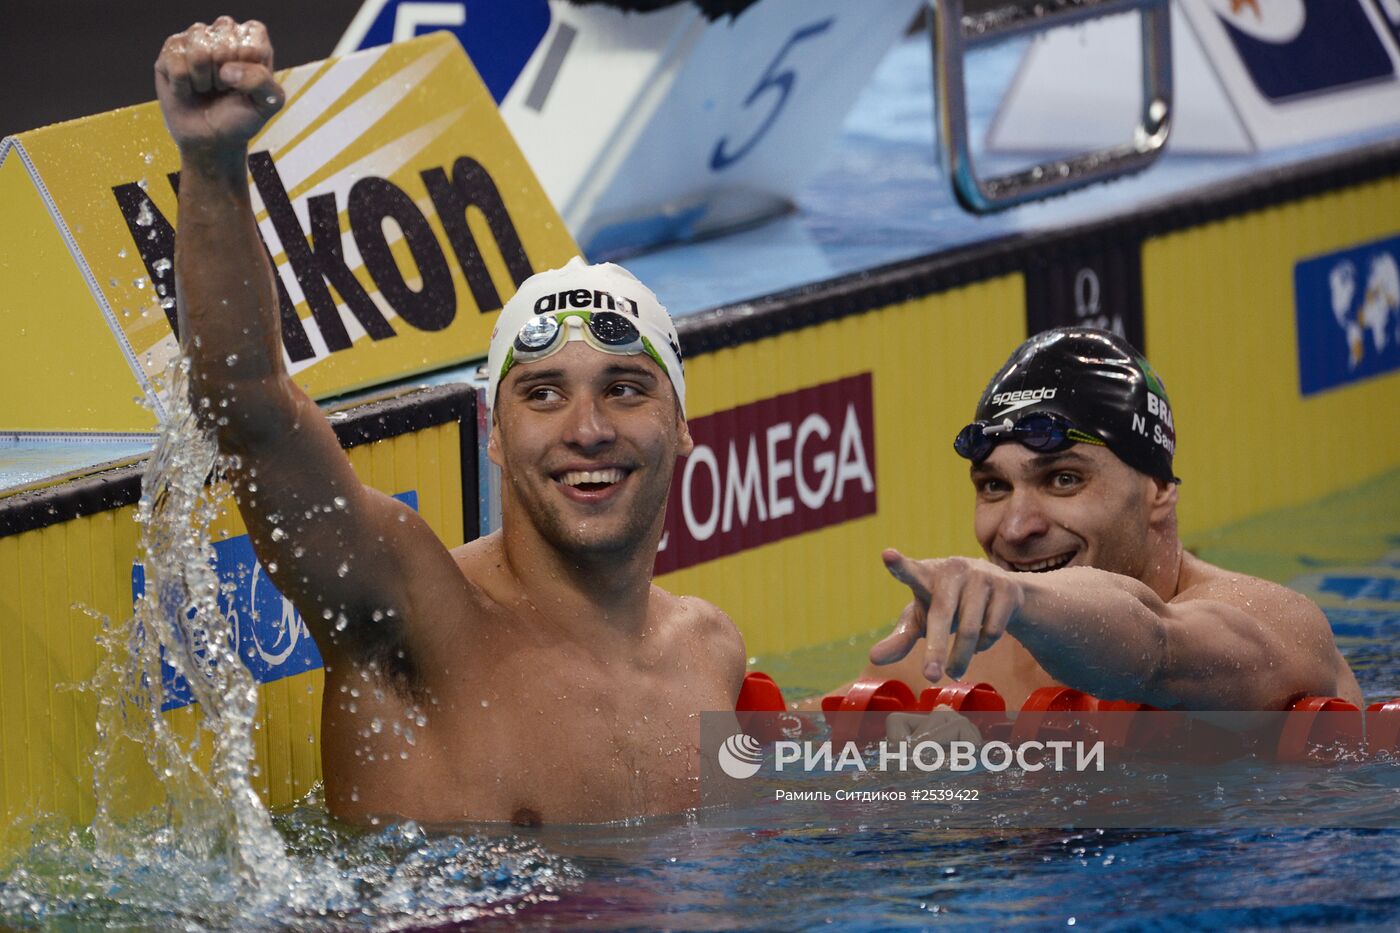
(579,288)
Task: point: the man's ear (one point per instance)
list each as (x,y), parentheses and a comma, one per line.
(687,443)
(493,442)
(1163,500)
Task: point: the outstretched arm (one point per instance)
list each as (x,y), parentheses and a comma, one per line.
(364,571)
(1234,643)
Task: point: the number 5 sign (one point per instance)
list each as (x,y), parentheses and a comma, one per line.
(648,127)
(780,82)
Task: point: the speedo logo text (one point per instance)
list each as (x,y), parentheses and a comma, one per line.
(1020,399)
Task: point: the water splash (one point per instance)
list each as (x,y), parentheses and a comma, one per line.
(180,611)
(400,877)
(209,855)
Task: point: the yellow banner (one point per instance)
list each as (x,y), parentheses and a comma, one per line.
(398,211)
(59,582)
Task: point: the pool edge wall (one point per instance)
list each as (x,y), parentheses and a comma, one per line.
(67,554)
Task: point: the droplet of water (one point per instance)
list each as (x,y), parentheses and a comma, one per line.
(278,534)
(342,570)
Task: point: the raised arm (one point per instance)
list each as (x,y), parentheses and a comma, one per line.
(366,573)
(1226,643)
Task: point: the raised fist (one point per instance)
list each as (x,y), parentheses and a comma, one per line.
(216,87)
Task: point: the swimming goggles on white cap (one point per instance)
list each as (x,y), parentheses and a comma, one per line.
(544,335)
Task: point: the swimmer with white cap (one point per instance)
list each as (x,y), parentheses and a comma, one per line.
(1084,581)
(533,675)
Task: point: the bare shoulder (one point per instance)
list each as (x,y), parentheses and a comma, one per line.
(1262,599)
(703,629)
(693,617)
(482,563)
(1294,630)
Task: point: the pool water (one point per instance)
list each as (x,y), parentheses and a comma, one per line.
(336,878)
(901,877)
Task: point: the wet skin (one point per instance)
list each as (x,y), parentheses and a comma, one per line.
(533,714)
(1086,584)
(580,411)
(1081,507)
(536,674)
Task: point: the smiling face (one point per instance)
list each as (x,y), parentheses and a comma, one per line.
(587,442)
(1077,507)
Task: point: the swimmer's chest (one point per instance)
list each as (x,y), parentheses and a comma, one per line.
(554,735)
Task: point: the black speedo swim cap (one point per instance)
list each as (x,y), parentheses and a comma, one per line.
(1099,383)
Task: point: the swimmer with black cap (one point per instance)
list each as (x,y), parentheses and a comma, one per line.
(1085,582)
(535,674)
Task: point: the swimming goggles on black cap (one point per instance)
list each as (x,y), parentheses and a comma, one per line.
(1042,431)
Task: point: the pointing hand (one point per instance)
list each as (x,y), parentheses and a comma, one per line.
(969,602)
